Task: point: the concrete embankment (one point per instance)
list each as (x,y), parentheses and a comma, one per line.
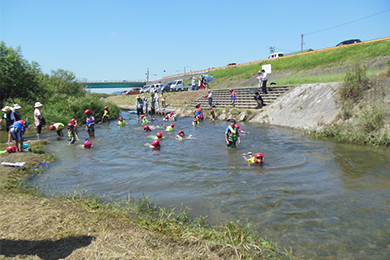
(307,106)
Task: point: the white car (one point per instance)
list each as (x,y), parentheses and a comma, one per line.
(275,55)
(178,85)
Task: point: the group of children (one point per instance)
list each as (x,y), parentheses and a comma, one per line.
(232,132)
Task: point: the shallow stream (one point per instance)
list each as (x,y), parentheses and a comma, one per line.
(321,198)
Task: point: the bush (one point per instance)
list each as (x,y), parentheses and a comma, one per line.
(355,82)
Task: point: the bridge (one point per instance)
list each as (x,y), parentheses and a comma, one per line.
(114,84)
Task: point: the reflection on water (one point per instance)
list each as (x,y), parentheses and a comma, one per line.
(320,198)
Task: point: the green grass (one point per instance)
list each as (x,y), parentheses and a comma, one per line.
(334,58)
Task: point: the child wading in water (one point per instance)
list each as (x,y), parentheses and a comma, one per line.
(121,122)
(212,115)
(71,133)
(232,135)
(74,122)
(90,123)
(257,159)
(58,127)
(106,115)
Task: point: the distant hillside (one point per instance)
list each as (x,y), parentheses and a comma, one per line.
(327,66)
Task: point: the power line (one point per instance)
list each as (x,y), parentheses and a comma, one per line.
(354,21)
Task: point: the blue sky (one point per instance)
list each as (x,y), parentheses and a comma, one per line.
(118,39)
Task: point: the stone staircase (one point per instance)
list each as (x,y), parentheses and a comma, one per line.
(245,97)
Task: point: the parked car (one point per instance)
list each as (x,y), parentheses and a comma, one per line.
(178,85)
(352,41)
(275,55)
(232,64)
(145,89)
(195,87)
(133,91)
(165,88)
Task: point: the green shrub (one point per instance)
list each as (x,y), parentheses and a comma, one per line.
(355,82)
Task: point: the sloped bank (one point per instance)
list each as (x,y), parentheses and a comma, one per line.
(308,106)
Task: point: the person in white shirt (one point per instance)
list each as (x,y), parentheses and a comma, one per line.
(264,79)
(157,99)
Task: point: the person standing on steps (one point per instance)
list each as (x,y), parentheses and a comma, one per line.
(264,79)
(210,96)
(233,97)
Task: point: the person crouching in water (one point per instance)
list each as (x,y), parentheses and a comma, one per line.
(106,115)
(90,123)
(145,121)
(58,127)
(168,128)
(17,130)
(121,122)
(74,122)
(71,133)
(232,135)
(257,159)
(147,128)
(195,122)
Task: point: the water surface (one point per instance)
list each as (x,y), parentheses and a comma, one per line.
(321,198)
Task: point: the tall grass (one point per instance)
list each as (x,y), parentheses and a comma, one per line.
(62,108)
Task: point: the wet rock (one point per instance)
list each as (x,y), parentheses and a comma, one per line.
(222,116)
(242,116)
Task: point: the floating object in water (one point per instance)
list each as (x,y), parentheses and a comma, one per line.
(17,164)
(133,112)
(11,149)
(43,164)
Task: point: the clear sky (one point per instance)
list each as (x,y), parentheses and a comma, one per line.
(119,39)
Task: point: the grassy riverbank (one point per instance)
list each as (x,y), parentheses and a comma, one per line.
(78,227)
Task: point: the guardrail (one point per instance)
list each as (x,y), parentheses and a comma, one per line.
(283,57)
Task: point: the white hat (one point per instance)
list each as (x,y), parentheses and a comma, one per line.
(6,109)
(38,104)
(16,106)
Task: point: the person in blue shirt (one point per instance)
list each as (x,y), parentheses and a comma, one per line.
(232,135)
(17,130)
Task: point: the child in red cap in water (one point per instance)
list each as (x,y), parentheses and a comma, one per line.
(257,159)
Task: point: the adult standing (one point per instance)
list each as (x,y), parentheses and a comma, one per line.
(15,109)
(210,96)
(193,82)
(38,118)
(259,79)
(157,99)
(264,79)
(152,102)
(139,103)
(9,120)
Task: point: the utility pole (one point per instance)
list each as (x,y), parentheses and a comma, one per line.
(302,42)
(271,49)
(147,75)
(184,69)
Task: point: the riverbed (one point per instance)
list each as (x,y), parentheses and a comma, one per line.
(321,198)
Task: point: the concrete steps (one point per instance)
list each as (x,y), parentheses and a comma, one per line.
(245,97)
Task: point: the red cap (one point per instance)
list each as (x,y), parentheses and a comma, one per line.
(211,111)
(142,116)
(87,144)
(106,107)
(198,116)
(172,125)
(171,113)
(11,149)
(198,105)
(195,120)
(120,118)
(231,90)
(70,125)
(87,112)
(146,128)
(181,133)
(237,125)
(257,155)
(73,120)
(156,143)
(166,117)
(159,134)
(52,128)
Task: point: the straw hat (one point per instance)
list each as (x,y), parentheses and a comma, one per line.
(16,106)
(6,109)
(38,104)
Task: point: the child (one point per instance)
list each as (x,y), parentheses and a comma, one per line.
(145,121)
(163,100)
(195,122)
(233,97)
(198,113)
(87,144)
(17,130)
(74,122)
(147,128)
(71,133)
(232,135)
(121,122)
(212,114)
(168,128)
(58,127)
(210,96)
(172,116)
(155,144)
(166,118)
(159,136)
(239,129)
(257,159)
(106,114)
(90,123)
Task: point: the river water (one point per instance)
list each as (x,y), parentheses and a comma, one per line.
(323,199)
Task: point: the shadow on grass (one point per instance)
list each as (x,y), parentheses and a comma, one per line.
(45,249)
